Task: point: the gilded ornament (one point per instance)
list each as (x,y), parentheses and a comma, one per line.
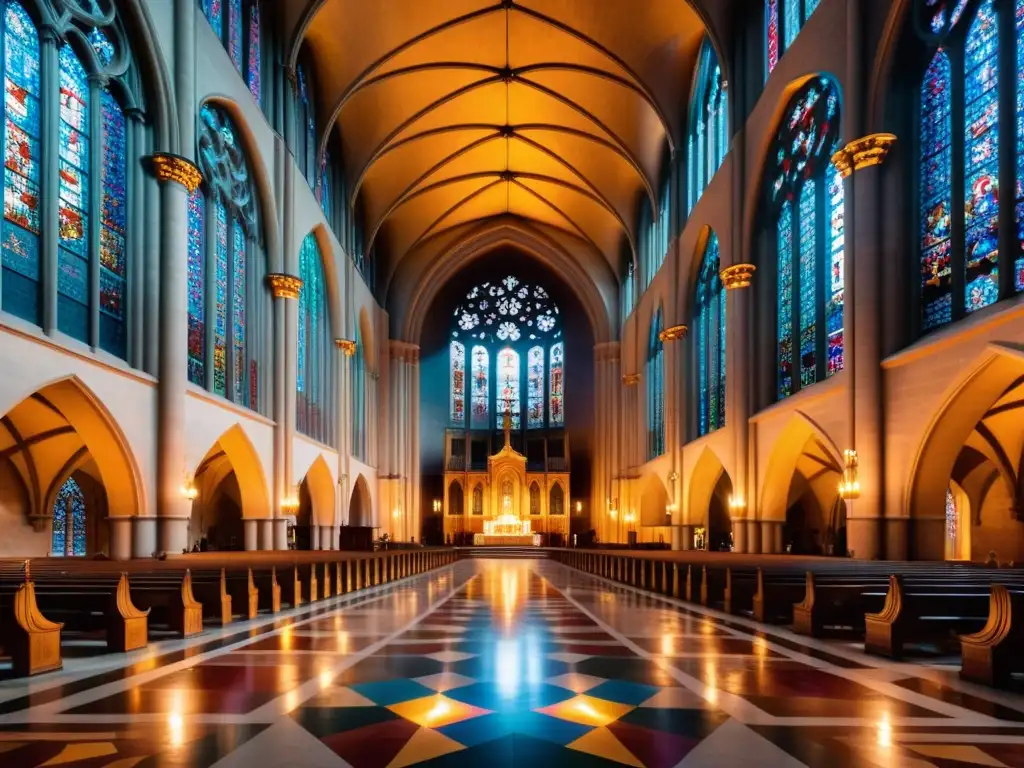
(631,379)
(674,333)
(737,276)
(346,345)
(175,168)
(863,153)
(284,286)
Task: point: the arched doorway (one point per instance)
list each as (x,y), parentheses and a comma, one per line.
(230,488)
(967,490)
(655,519)
(360,509)
(316,507)
(801,491)
(61,431)
(710,490)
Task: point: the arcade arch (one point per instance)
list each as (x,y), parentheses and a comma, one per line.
(710,489)
(360,508)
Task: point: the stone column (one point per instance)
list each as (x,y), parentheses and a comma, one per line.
(314,537)
(49,129)
(328,541)
(686,537)
(178,177)
(285,290)
(672,339)
(753,537)
(860,164)
(606,437)
(250,532)
(347,348)
(739,536)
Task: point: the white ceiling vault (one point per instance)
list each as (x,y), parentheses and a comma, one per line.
(562,113)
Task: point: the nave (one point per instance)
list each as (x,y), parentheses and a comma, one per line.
(503,662)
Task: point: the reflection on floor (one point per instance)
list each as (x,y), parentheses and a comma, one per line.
(505,663)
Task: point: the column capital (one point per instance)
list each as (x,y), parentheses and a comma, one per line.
(284,286)
(606,350)
(631,379)
(674,333)
(181,170)
(404,350)
(737,276)
(346,345)
(863,153)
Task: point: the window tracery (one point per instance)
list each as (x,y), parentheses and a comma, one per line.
(709,325)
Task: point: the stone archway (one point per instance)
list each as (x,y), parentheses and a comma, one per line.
(58,431)
(709,511)
(360,508)
(801,490)
(655,514)
(975,444)
(231,488)
(316,507)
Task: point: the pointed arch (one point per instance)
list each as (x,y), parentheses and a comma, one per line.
(319,483)
(234,452)
(360,508)
(803,449)
(654,503)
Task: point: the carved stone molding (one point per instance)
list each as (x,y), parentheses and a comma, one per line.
(284,286)
(863,153)
(181,170)
(737,276)
(674,333)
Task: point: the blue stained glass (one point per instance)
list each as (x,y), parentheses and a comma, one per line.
(784,245)
(253,74)
(836,277)
(1018,266)
(791,20)
(810,6)
(556,393)
(324,187)
(73,194)
(220,328)
(70,502)
(772,27)
(196,288)
(936,195)
(535,388)
(238,278)
(20,251)
(457,359)
(710,327)
(981,161)
(213,11)
(808,284)
(480,389)
(113,262)
(312,342)
(508,397)
(102,46)
(235,32)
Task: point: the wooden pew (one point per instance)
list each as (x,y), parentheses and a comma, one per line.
(88,602)
(991,655)
(171,595)
(30,639)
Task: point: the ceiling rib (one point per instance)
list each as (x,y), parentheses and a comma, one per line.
(414,69)
(450,210)
(587,40)
(435,104)
(405,194)
(389,55)
(559,211)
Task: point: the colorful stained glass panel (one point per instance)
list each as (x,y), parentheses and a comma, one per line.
(836,280)
(220,328)
(784,246)
(253,74)
(238,305)
(480,388)
(535,388)
(556,392)
(508,396)
(457,361)
(936,195)
(196,288)
(808,284)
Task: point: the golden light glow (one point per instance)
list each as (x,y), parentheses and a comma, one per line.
(188,488)
(668,645)
(736,501)
(849,486)
(884,733)
(176,727)
(325,678)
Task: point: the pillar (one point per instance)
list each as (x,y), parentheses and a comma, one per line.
(739,536)
(285,290)
(265,536)
(686,536)
(860,164)
(753,537)
(314,537)
(143,536)
(250,532)
(673,340)
(328,537)
(606,437)
(736,280)
(178,177)
(120,537)
(49,128)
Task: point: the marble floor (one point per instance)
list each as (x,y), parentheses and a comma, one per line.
(503,662)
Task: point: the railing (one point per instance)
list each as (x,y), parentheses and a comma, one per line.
(456,463)
(558,465)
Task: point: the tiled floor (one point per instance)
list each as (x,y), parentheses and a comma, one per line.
(498,663)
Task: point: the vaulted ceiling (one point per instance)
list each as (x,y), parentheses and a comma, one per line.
(559,112)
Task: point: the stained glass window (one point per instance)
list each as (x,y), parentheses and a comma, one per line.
(655,375)
(214,12)
(253,76)
(936,193)
(305,154)
(508,400)
(783,22)
(231,227)
(709,110)
(313,417)
(809,238)
(20,228)
(235,32)
(784,246)
(480,389)
(557,385)
(535,388)
(772,29)
(196,288)
(709,324)
(836,282)
(808,284)
(73,198)
(238,280)
(981,160)
(69,537)
(220,301)
(113,258)
(951,514)
(457,361)
(323,187)
(1018,264)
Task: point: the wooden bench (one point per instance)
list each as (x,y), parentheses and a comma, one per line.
(92,602)
(991,655)
(30,639)
(172,598)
